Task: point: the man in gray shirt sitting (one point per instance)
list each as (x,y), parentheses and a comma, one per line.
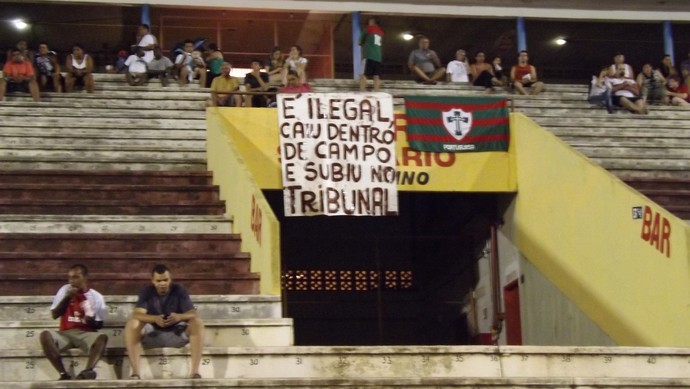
(160,66)
(425,65)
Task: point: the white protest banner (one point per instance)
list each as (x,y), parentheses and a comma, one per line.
(337,153)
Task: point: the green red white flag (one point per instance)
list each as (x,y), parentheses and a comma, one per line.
(457,124)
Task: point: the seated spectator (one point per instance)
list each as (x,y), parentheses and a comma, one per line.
(295,63)
(79,68)
(626,94)
(677,92)
(18,76)
(424,64)
(651,84)
(483,73)
(620,69)
(497,65)
(146,41)
(120,63)
(136,68)
(523,75)
(160,66)
(190,66)
(600,90)
(685,70)
(458,70)
(275,66)
(667,69)
(23,48)
(81,311)
(222,88)
(256,81)
(48,69)
(294,85)
(214,61)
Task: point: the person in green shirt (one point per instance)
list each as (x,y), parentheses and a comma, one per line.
(371,42)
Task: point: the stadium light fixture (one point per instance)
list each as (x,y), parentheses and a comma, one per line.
(407,36)
(20,24)
(561,41)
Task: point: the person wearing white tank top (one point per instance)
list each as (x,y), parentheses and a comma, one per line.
(79,68)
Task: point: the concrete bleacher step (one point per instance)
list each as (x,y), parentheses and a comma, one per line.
(114,104)
(91,142)
(125,242)
(104,122)
(115,224)
(373,383)
(120,307)
(374,362)
(131,114)
(122,282)
(252,332)
(110,207)
(147,193)
(106,177)
(137,262)
(123,131)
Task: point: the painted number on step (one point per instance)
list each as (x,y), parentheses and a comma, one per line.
(118,362)
(566,358)
(206,361)
(523,358)
(112,309)
(459,358)
(29,310)
(425,359)
(298,361)
(235,309)
(342,361)
(117,332)
(74,363)
(245,331)
(608,359)
(30,334)
(253,361)
(30,365)
(494,358)
(651,360)
(387,361)
(162,361)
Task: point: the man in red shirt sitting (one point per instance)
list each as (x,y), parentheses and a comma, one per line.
(523,75)
(81,311)
(677,92)
(18,76)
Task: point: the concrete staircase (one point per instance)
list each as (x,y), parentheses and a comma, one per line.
(117,180)
(649,152)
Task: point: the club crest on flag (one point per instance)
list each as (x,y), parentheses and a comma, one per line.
(457,122)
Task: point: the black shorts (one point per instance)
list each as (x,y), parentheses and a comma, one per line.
(78,80)
(617,99)
(372,68)
(22,86)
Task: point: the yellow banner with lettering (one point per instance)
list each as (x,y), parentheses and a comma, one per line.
(256,133)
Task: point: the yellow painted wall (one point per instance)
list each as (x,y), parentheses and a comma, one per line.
(573,221)
(252,216)
(257,139)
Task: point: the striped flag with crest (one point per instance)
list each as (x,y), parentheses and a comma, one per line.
(457,124)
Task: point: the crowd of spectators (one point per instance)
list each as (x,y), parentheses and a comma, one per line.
(34,72)
(617,85)
(29,72)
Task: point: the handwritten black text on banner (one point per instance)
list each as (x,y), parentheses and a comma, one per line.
(337,154)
